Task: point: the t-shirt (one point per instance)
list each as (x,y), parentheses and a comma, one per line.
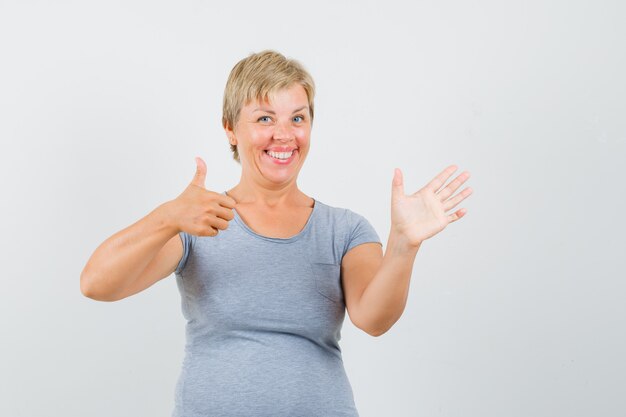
(264,318)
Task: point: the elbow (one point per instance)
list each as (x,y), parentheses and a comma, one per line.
(86,288)
(382,327)
(366,326)
(89,289)
(376,329)
(374,332)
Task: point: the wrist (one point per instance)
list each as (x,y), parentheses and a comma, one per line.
(399,244)
(165,216)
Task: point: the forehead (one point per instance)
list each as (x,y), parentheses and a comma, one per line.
(294,95)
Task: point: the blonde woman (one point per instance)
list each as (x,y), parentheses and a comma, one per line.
(265,271)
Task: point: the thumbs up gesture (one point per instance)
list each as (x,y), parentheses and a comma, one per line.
(199,211)
(423,214)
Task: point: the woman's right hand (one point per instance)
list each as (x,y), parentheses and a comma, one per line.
(199,211)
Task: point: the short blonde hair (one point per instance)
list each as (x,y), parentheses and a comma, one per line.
(258,77)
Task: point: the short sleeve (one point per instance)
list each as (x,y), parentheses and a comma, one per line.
(187,240)
(360,231)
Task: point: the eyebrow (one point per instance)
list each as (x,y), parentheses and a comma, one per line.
(272,112)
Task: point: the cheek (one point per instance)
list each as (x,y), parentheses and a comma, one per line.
(260,137)
(252,141)
(303,136)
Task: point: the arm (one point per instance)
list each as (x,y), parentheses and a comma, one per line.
(113,271)
(150,249)
(376,287)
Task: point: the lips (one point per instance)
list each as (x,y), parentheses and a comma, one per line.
(282,161)
(279,149)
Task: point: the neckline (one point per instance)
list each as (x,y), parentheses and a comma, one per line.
(293,238)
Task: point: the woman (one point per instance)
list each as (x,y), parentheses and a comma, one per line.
(265,296)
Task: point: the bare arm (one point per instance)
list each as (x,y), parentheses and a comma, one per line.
(377,286)
(150,249)
(114,270)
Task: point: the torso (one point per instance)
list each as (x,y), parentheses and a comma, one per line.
(275,223)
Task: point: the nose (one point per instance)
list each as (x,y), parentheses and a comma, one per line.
(283,131)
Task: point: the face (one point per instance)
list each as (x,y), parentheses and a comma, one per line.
(272,137)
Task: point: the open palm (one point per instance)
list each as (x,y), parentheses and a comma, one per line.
(423,214)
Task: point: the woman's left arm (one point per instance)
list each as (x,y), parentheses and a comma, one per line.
(376,287)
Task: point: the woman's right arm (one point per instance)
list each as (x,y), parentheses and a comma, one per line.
(134,258)
(149,250)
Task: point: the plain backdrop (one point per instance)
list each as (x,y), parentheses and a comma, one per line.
(515,310)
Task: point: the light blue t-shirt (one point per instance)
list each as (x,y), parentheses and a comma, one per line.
(264,318)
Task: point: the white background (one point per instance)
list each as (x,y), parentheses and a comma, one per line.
(515,310)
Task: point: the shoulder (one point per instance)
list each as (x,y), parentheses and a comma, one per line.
(335,211)
(341,219)
(332,214)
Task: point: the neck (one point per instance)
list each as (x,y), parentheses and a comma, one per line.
(269,196)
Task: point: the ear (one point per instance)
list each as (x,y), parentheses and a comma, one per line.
(230,133)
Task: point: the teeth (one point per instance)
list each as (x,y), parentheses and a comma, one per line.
(280,155)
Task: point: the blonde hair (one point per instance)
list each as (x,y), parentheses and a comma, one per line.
(258,77)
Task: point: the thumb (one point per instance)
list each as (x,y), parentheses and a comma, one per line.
(200,176)
(397,185)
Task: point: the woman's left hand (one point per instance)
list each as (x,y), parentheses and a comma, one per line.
(422,215)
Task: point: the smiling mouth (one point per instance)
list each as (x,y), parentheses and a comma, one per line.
(281,156)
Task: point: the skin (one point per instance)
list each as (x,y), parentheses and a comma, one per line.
(284,120)
(375,284)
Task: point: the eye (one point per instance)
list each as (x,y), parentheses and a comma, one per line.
(264,119)
(298,119)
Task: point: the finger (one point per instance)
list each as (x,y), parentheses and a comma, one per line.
(457,215)
(226,201)
(441,179)
(452,202)
(200,176)
(209,231)
(453,186)
(225,213)
(218,223)
(397,185)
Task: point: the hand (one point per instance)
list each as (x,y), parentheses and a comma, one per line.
(199,211)
(422,215)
